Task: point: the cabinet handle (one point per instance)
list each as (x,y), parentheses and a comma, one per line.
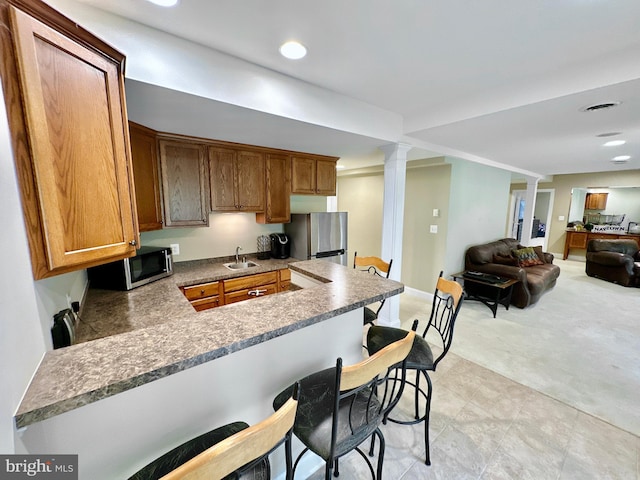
(201,292)
(133,243)
(256,293)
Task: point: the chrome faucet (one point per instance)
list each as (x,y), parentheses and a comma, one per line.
(238,248)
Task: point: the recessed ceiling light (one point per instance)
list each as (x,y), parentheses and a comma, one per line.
(164,3)
(621,158)
(293,50)
(599,106)
(614,143)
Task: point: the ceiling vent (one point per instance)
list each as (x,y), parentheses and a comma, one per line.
(608,134)
(599,106)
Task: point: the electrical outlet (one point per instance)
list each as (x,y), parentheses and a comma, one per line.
(68,300)
(433,228)
(175,248)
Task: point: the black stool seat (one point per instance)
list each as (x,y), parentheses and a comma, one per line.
(185,452)
(420,357)
(314,418)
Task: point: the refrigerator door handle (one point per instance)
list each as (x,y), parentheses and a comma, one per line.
(330,253)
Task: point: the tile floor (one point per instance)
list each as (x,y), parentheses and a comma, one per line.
(486,426)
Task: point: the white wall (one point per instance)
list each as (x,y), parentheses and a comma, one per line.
(22,342)
(478,207)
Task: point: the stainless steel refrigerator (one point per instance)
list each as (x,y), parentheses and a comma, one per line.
(321,235)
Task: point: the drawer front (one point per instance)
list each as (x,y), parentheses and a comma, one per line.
(196,292)
(250,281)
(206,303)
(247,294)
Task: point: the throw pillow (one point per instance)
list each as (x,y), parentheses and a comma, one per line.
(527,257)
(540,254)
(505,260)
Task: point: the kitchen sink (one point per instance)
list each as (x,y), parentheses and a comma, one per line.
(240,265)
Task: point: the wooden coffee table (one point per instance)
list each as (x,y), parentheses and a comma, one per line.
(489,293)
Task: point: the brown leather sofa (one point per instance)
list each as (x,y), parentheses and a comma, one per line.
(616,261)
(497,258)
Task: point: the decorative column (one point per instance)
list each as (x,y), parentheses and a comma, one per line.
(529,207)
(395,170)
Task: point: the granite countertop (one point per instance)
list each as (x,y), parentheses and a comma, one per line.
(163,334)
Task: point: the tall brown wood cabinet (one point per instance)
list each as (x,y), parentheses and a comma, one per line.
(64,91)
(237,180)
(278,190)
(185,182)
(313,176)
(144,154)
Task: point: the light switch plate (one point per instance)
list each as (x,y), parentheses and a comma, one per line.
(436,212)
(433,228)
(560,218)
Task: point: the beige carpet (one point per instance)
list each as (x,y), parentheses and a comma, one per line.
(579,344)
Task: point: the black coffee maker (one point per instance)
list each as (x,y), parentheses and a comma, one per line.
(280,245)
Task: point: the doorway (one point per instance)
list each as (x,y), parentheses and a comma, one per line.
(542,214)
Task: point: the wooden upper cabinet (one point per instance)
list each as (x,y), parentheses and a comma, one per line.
(596,201)
(278,190)
(144,155)
(185,183)
(64,91)
(313,176)
(237,180)
(326,177)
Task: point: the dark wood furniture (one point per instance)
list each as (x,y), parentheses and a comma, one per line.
(489,293)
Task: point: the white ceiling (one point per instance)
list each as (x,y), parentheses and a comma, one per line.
(502,80)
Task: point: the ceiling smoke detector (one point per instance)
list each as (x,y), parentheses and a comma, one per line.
(599,106)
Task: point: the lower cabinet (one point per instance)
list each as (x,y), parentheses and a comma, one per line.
(215,294)
(204,296)
(251,286)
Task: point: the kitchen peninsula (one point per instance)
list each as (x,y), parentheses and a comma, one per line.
(142,391)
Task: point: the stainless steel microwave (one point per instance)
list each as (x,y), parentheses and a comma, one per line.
(149,264)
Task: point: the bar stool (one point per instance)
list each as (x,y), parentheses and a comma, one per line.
(341,407)
(447,301)
(236,450)
(375,266)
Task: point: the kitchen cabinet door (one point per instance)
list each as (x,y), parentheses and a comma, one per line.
(313,176)
(64,91)
(596,201)
(144,155)
(185,183)
(303,175)
(326,177)
(237,180)
(249,181)
(278,190)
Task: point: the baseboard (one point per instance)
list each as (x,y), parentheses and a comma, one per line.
(414,292)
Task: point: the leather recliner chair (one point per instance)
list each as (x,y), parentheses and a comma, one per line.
(616,261)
